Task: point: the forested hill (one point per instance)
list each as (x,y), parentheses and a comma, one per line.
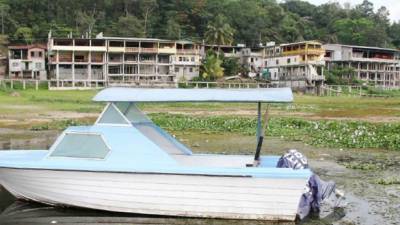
(249,21)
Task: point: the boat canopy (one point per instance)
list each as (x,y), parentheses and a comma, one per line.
(261,95)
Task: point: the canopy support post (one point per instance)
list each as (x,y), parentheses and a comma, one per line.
(258,120)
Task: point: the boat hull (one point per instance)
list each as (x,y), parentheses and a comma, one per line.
(160,194)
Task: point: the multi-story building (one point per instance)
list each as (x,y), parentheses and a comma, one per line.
(377,66)
(111,60)
(253,60)
(77,61)
(187,60)
(295,65)
(27,62)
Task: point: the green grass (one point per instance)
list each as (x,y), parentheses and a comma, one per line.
(42,101)
(304,106)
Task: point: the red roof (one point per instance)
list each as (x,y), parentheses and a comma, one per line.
(42,46)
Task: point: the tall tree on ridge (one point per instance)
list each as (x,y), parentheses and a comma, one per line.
(87,20)
(147,7)
(4,8)
(219,32)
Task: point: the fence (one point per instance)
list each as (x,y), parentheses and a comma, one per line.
(351,90)
(95,84)
(326,90)
(24,84)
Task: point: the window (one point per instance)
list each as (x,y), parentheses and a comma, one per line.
(114,69)
(40,54)
(288,60)
(81,145)
(15,64)
(277,62)
(176,69)
(180,59)
(38,66)
(191,69)
(251,59)
(32,54)
(192,59)
(112,115)
(132,113)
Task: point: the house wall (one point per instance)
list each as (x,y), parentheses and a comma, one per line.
(295,65)
(123,59)
(30,64)
(377,66)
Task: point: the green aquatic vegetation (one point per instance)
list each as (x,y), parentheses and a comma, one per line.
(388,181)
(361,166)
(58,125)
(334,134)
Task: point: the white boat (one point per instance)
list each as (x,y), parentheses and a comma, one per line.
(125,163)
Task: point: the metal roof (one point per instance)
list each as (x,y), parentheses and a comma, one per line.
(194,95)
(364,47)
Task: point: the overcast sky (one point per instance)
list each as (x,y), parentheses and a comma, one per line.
(392,5)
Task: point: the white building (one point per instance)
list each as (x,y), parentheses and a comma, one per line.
(376,66)
(119,60)
(187,60)
(295,65)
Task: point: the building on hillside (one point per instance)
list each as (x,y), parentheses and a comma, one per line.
(253,60)
(27,62)
(296,65)
(228,51)
(187,60)
(116,60)
(377,66)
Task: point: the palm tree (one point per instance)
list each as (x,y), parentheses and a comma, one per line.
(211,67)
(219,32)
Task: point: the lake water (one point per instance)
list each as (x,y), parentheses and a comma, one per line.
(366,201)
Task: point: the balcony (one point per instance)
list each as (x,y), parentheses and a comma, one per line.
(132,49)
(167,50)
(64,58)
(116,49)
(149,50)
(97,59)
(313,51)
(187,51)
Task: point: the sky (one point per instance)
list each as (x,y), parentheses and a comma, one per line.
(392,5)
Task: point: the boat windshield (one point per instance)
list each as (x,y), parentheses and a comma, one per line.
(112,116)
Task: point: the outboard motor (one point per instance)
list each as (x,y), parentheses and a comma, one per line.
(293,159)
(316,190)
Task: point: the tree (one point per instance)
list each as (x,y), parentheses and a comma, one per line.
(127,26)
(173,30)
(341,76)
(87,20)
(366,8)
(3,44)
(147,7)
(4,8)
(211,67)
(25,34)
(394,33)
(231,66)
(219,32)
